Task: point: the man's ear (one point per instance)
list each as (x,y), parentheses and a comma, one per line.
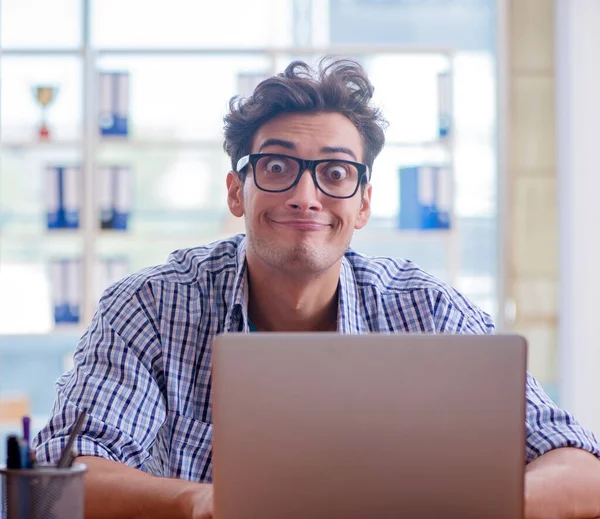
(365,208)
(235,194)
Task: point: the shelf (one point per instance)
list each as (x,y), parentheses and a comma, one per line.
(126,142)
(357,50)
(441,143)
(132,142)
(62,340)
(215,143)
(68,51)
(40,233)
(152,236)
(373,233)
(33,144)
(379,234)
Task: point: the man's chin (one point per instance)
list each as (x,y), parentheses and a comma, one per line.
(300,257)
(295,253)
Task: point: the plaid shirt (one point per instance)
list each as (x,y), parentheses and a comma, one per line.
(142,369)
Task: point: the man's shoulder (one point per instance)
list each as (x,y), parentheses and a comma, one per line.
(392,275)
(396,277)
(187,266)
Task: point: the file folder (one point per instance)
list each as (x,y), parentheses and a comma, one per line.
(71,196)
(63,196)
(122,197)
(74,289)
(67,289)
(58,285)
(444,104)
(53,198)
(115,194)
(105,196)
(113,103)
(425,198)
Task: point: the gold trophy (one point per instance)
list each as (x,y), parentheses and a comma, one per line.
(45,96)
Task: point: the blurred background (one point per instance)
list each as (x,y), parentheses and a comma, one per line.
(111,158)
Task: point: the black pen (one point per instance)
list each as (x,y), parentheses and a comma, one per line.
(13,453)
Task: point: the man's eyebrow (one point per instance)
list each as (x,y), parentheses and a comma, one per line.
(277,142)
(338,149)
(291,146)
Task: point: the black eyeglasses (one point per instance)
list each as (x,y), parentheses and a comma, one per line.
(275,173)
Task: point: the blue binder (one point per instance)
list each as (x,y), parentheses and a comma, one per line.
(121,197)
(115,196)
(66,290)
(63,193)
(425,195)
(53,197)
(444,104)
(114,103)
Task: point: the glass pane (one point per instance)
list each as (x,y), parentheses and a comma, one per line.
(25,297)
(178,200)
(41,24)
(464,24)
(21,113)
(182,97)
(386,177)
(475,143)
(28,247)
(406,88)
(29,367)
(24,195)
(469,28)
(430,252)
(223,24)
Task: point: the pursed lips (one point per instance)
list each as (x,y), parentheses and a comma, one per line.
(302,225)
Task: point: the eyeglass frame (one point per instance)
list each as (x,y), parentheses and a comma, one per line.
(311,165)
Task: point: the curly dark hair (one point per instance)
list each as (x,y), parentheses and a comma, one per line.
(338,85)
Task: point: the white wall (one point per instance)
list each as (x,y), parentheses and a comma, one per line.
(578,154)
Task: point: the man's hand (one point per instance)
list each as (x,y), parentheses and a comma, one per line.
(199,501)
(115,491)
(563,484)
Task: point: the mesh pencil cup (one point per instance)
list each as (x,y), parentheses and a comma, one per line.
(44,492)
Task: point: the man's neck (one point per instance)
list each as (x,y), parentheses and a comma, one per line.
(279,302)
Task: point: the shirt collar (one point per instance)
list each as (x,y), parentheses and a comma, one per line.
(350,314)
(238,302)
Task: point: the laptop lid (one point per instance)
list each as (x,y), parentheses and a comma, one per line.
(379,425)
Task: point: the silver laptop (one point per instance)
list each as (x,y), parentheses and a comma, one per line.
(380,426)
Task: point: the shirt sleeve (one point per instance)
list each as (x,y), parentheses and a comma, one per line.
(117,364)
(547,426)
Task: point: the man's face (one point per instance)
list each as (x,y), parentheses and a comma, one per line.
(301,231)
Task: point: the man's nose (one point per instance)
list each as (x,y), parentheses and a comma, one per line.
(305,194)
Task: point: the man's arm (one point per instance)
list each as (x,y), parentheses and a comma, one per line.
(117,379)
(563,484)
(116,491)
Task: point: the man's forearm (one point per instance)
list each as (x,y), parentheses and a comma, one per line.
(563,484)
(115,491)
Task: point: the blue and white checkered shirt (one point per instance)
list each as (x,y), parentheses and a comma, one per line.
(142,369)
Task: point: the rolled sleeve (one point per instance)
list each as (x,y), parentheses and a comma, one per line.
(115,380)
(549,427)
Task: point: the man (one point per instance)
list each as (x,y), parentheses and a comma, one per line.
(302,148)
